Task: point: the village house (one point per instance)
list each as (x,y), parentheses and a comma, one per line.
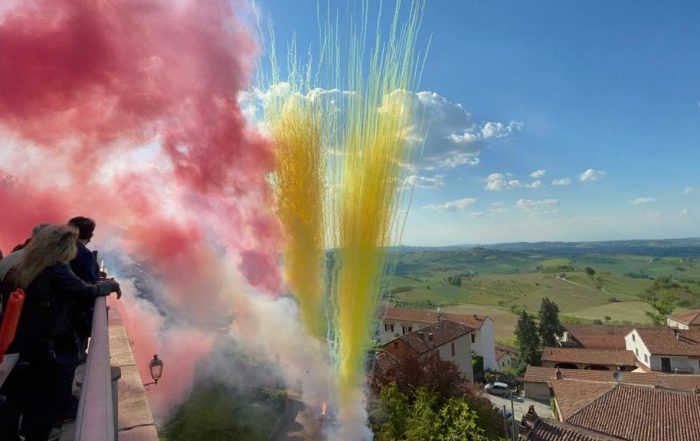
(594,359)
(395,322)
(594,336)
(666,349)
(450,340)
(684,320)
(506,357)
(536,382)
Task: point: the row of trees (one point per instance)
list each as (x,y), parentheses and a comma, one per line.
(531,337)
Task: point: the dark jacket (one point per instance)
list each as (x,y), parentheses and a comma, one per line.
(44,329)
(85,265)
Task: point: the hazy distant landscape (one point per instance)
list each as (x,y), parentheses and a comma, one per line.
(502,280)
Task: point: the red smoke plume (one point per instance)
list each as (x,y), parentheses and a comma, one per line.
(126,111)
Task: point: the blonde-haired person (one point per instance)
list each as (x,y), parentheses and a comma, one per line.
(41,383)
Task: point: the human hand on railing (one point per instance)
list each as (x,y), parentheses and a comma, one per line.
(108,286)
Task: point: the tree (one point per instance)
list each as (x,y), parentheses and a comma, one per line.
(550,327)
(590,271)
(394,405)
(528,341)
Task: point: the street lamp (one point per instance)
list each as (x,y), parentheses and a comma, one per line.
(156,368)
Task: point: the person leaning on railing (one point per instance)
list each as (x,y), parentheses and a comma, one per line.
(45,340)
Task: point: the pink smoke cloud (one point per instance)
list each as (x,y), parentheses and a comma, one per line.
(88,84)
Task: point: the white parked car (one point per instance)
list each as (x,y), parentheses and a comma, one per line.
(497,388)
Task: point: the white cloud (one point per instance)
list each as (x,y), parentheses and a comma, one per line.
(478,214)
(436,181)
(447,137)
(498,207)
(561,182)
(688,190)
(592,175)
(499,182)
(457,206)
(535,184)
(642,201)
(537,204)
(685,212)
(538,173)
(450,137)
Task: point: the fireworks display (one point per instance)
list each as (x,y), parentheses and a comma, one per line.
(129,112)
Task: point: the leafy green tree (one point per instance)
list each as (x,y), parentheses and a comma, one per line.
(458,423)
(663,307)
(590,271)
(528,341)
(395,408)
(550,327)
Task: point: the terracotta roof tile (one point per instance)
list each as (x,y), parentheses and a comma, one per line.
(502,350)
(588,356)
(686,383)
(638,413)
(691,317)
(433,336)
(599,336)
(550,430)
(427,316)
(571,395)
(670,341)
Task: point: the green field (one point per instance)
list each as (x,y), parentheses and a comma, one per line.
(501,282)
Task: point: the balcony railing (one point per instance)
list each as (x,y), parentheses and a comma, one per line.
(96,411)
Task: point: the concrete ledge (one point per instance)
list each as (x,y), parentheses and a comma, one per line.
(135,418)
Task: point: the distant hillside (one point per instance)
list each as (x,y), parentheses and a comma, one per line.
(689,247)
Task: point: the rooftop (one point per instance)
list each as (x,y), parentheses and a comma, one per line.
(642,414)
(671,341)
(473,321)
(572,395)
(534,428)
(502,350)
(686,383)
(691,317)
(588,356)
(599,336)
(433,336)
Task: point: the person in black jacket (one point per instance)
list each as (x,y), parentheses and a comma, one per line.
(45,340)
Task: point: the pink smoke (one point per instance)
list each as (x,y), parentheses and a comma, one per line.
(126,111)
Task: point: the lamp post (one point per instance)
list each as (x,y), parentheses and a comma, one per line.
(156,368)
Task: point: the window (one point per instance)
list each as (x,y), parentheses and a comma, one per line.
(646,358)
(473,338)
(633,339)
(407,329)
(388,327)
(453,349)
(636,351)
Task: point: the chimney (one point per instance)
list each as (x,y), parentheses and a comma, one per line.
(558,375)
(430,336)
(422,336)
(696,390)
(676,334)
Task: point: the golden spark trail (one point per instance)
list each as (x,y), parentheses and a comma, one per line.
(373,142)
(294,121)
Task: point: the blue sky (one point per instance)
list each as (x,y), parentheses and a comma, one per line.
(601,96)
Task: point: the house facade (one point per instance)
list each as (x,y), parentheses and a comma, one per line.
(395,322)
(506,357)
(666,349)
(684,320)
(450,340)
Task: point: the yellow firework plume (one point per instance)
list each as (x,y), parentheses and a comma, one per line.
(373,142)
(294,121)
(346,201)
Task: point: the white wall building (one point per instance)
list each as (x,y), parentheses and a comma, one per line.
(450,340)
(395,322)
(684,319)
(666,349)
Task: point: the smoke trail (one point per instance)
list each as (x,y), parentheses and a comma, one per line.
(127,111)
